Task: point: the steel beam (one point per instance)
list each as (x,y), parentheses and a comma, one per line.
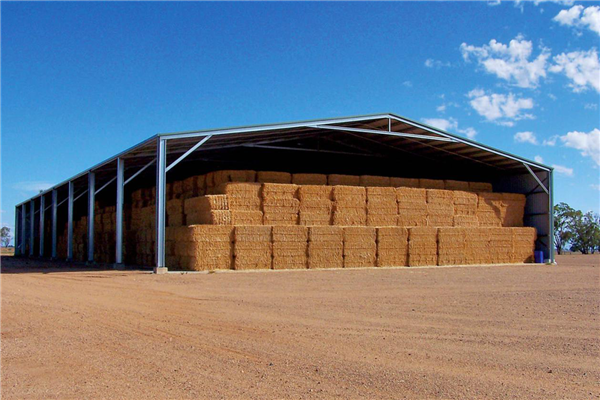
(187,153)
(42,217)
(106,184)
(17,235)
(91,201)
(139,172)
(544,188)
(161,177)
(551,215)
(54,223)
(119,213)
(31,227)
(398,134)
(70,221)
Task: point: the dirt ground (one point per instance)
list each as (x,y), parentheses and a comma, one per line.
(465,332)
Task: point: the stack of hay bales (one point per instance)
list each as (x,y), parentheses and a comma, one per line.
(440,207)
(189,188)
(412,206)
(451,246)
(105,234)
(309,179)
(490,209)
(360,247)
(477,246)
(290,247)
(279,203)
(174,212)
(422,246)
(144,227)
(376,181)
(177,190)
(342,180)
(80,239)
(252,247)
(382,206)
(523,245)
(316,204)
(392,246)
(480,187)
(465,208)
(199,247)
(349,206)
(325,247)
(404,182)
(431,184)
(500,246)
(209,209)
(244,201)
(273,177)
(515,209)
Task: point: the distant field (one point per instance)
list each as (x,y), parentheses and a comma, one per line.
(7,251)
(522,331)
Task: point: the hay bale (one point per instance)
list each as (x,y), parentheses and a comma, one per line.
(242,217)
(344,180)
(225,176)
(523,244)
(515,208)
(360,247)
(314,192)
(242,196)
(349,194)
(252,247)
(422,246)
(290,245)
(273,177)
(371,180)
(309,179)
(431,184)
(500,245)
(325,247)
(412,206)
(480,187)
(382,208)
(451,246)
(205,203)
(456,185)
(404,182)
(392,247)
(206,217)
(477,246)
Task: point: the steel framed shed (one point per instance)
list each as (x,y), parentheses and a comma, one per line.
(384,144)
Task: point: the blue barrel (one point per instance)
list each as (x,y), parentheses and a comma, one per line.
(539,256)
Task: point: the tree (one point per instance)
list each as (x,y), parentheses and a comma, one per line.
(564,217)
(5,237)
(586,233)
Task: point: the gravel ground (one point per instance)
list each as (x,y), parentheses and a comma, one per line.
(465,332)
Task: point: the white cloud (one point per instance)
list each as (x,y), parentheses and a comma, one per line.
(580,17)
(500,108)
(551,141)
(538,159)
(510,62)
(437,64)
(594,186)
(587,143)
(32,186)
(450,124)
(525,137)
(581,67)
(562,170)
(591,106)
(442,123)
(407,83)
(441,108)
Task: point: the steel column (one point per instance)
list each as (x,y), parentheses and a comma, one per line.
(161,176)
(91,201)
(551,212)
(42,215)
(70,222)
(31,227)
(54,222)
(119,213)
(23,227)
(17,235)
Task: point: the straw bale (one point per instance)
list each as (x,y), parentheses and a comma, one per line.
(290,234)
(345,180)
(382,219)
(243,217)
(465,198)
(490,201)
(451,246)
(314,192)
(438,196)
(279,190)
(405,182)
(422,246)
(465,220)
(136,195)
(370,180)
(325,233)
(253,259)
(325,260)
(218,217)
(488,218)
(341,193)
(315,205)
(480,187)
(375,191)
(280,203)
(309,179)
(273,177)
(311,218)
(220,177)
(204,263)
(240,189)
(440,215)
(431,184)
(280,218)
(210,233)
(175,219)
(202,203)
(174,206)
(456,185)
(515,209)
(411,195)
(349,218)
(417,216)
(189,187)
(177,189)
(359,234)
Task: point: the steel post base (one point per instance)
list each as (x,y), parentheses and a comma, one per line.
(160,270)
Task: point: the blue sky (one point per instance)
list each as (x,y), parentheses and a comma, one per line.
(82,81)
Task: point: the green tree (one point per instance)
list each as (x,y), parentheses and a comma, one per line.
(564,217)
(586,233)
(5,237)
